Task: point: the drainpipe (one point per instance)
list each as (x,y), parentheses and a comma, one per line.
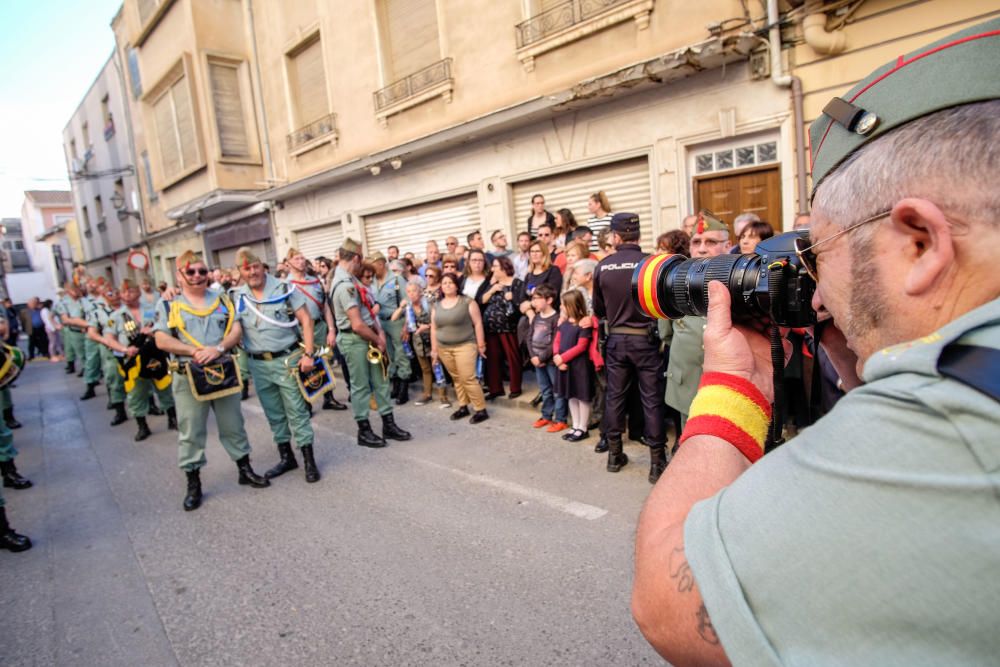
(784,80)
(265,135)
(818,39)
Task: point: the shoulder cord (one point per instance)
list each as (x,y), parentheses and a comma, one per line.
(248,303)
(176,322)
(299,285)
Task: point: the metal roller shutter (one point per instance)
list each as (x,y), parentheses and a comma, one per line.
(323,240)
(412,227)
(625,183)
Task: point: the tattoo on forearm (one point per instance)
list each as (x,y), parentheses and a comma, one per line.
(705,628)
(680,571)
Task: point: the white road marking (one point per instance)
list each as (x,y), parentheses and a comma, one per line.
(577,509)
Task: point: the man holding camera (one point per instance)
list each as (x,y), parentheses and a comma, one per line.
(632,350)
(871,537)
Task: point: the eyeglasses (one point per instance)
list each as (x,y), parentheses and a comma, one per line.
(191,272)
(808,258)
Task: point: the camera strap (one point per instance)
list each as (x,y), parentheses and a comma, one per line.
(977,367)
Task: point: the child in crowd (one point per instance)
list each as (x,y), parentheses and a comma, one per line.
(540,348)
(571,347)
(418,324)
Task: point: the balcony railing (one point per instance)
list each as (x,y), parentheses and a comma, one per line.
(321,127)
(413,85)
(559,18)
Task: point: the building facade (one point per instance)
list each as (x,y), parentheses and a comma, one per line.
(194,103)
(52,241)
(403,121)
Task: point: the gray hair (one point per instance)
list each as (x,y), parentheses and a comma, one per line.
(745,219)
(951,157)
(585,266)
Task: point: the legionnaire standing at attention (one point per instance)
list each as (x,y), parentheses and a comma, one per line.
(198,327)
(358,336)
(11,478)
(632,348)
(91,348)
(125,325)
(320,312)
(69,308)
(270,313)
(390,294)
(99,326)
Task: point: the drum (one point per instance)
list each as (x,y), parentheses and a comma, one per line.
(11,364)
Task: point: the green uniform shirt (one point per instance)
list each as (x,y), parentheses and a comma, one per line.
(344,295)
(74,307)
(88,307)
(687,356)
(208,330)
(313,294)
(259,335)
(390,293)
(873,537)
(100,316)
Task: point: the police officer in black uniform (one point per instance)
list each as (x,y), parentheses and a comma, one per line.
(632,350)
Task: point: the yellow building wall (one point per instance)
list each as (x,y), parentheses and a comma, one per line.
(488,76)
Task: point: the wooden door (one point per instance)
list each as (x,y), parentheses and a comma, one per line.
(757,191)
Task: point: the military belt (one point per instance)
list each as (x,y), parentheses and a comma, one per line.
(268,356)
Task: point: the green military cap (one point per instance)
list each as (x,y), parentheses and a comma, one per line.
(245,257)
(376,256)
(959,69)
(709,223)
(350,245)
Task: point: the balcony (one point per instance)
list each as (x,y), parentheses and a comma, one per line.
(109,129)
(316,133)
(573,20)
(417,88)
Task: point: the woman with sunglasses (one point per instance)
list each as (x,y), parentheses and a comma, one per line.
(457,340)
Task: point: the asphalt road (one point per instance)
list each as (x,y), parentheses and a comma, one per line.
(470,545)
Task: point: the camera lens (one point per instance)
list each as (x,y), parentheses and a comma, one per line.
(671,286)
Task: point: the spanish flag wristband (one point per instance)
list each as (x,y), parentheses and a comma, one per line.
(731,408)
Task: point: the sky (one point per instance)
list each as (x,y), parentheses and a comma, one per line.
(50,53)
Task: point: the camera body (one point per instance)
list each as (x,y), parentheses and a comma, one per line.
(770,282)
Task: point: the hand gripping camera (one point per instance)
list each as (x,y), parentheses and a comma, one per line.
(771,282)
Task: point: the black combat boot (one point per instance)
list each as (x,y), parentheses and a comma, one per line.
(657,463)
(70,367)
(395,388)
(90,393)
(616,457)
(172,419)
(392,432)
(367,437)
(286,461)
(79,373)
(192,500)
(246,391)
(120,416)
(602,445)
(248,476)
(143,431)
(8,418)
(331,403)
(154,409)
(309,463)
(11,478)
(8,538)
(404,392)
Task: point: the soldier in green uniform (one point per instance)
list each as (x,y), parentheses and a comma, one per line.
(99,326)
(270,313)
(357,331)
(91,348)
(390,295)
(11,478)
(74,327)
(117,339)
(687,345)
(319,310)
(239,354)
(199,325)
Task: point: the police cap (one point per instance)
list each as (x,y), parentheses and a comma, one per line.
(625,223)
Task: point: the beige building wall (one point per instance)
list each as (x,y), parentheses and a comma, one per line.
(876,33)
